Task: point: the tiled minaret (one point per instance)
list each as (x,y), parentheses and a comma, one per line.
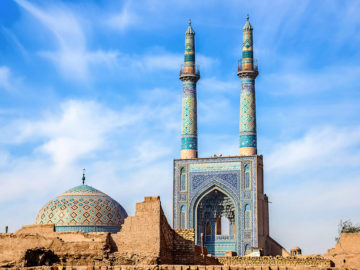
(189,75)
(247,71)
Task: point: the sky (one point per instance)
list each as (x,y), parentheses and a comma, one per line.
(94,84)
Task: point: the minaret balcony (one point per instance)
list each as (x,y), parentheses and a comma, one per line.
(190,70)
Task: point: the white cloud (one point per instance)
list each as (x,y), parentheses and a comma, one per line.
(71,56)
(5,78)
(124,19)
(307,214)
(292,81)
(80,128)
(215,86)
(312,183)
(125,151)
(76,60)
(12,37)
(161,61)
(323,146)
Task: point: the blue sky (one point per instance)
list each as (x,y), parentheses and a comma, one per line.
(95,84)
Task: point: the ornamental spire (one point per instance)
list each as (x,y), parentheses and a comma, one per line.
(83,177)
(247,25)
(189,30)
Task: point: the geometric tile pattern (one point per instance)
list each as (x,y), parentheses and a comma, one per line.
(189,143)
(227,176)
(188,116)
(247,113)
(247,95)
(82,206)
(189,107)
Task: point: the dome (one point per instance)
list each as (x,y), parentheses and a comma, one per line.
(83,208)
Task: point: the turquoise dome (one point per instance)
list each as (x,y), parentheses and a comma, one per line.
(83,208)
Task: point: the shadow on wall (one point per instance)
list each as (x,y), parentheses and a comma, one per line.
(39,257)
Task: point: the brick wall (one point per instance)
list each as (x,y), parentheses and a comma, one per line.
(140,234)
(276,261)
(177,267)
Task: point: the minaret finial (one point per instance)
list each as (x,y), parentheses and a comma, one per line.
(83,177)
(189,21)
(247,17)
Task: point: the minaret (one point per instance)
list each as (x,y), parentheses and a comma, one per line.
(189,75)
(247,71)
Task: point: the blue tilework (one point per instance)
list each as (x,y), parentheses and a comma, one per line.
(247,140)
(189,143)
(189,58)
(247,54)
(226,175)
(88,229)
(82,206)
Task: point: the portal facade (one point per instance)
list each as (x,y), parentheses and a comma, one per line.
(223,199)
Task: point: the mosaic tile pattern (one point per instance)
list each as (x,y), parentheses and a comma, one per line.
(199,178)
(189,103)
(189,143)
(247,113)
(248,141)
(247,96)
(227,175)
(211,167)
(82,206)
(189,116)
(212,206)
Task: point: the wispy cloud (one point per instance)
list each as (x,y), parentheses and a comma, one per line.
(8,81)
(313,210)
(291,80)
(312,182)
(124,19)
(72,55)
(5,78)
(133,142)
(79,128)
(12,37)
(323,146)
(216,86)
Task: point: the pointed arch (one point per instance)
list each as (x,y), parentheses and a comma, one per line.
(197,199)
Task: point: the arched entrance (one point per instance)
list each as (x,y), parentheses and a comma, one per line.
(216,220)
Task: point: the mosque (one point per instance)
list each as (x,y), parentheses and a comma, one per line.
(221,198)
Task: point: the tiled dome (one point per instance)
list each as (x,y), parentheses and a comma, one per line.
(83,208)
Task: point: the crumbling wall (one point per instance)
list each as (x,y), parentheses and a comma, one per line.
(145,238)
(27,246)
(140,234)
(346,253)
(37,229)
(167,235)
(184,246)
